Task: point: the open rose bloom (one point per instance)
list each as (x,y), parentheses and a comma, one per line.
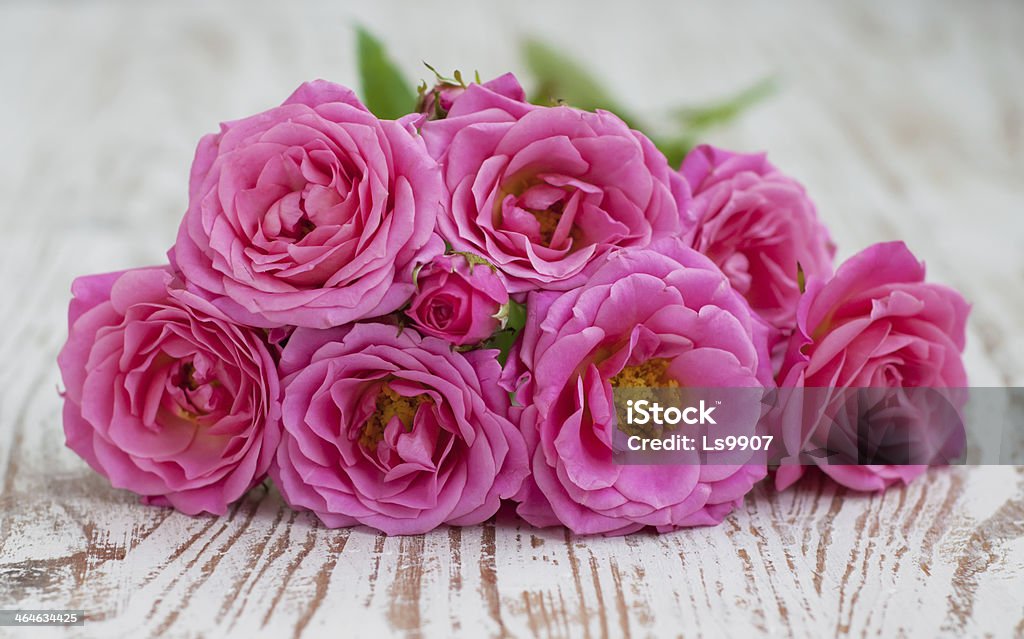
(394,431)
(546,193)
(759,227)
(879,329)
(659,317)
(314,213)
(404,322)
(164,395)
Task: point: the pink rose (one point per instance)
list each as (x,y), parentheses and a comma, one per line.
(394,431)
(664,316)
(875,325)
(458,300)
(164,395)
(314,213)
(437,101)
(546,193)
(759,227)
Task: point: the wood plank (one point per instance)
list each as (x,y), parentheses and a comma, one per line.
(904,121)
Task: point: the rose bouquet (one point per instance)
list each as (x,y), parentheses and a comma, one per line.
(405,319)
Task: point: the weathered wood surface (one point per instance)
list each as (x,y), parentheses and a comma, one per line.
(903,119)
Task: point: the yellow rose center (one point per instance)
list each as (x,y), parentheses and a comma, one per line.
(651,374)
(389,405)
(549,219)
(647,378)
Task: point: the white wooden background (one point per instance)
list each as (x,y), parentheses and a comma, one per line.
(904,119)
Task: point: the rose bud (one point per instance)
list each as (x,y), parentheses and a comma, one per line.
(164,395)
(314,213)
(438,100)
(877,324)
(459,298)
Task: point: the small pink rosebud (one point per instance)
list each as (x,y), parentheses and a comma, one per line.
(459,298)
(435,102)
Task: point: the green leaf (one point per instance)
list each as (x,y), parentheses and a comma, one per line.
(562,78)
(696,119)
(385,90)
(516,315)
(513,316)
(675,148)
(503,342)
